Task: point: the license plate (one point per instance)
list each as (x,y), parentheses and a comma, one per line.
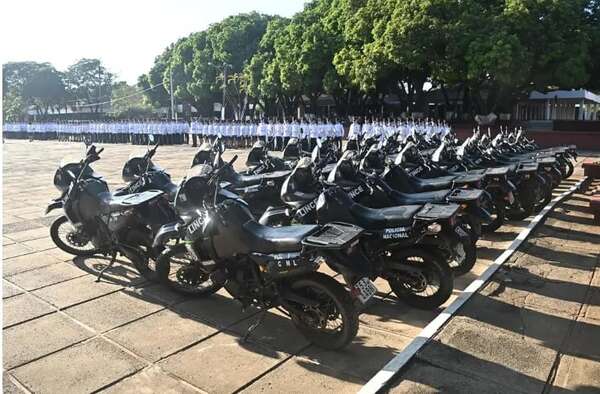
(364,290)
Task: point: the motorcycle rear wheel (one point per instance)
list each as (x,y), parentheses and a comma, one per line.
(317,324)
(431,288)
(74,240)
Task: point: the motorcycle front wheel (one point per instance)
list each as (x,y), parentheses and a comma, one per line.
(71,240)
(177,269)
(331,320)
(419,278)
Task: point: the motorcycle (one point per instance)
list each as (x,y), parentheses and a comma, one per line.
(220,244)
(96,221)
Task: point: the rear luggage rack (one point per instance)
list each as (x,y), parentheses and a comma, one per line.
(463,195)
(497,171)
(468,178)
(437,212)
(334,235)
(529,167)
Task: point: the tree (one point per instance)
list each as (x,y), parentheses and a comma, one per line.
(128,102)
(90,83)
(45,89)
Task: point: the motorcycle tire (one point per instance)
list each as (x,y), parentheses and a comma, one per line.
(186,279)
(319,284)
(469,257)
(570,169)
(497,211)
(55,230)
(435,269)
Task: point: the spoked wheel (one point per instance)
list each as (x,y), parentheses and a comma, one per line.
(330,320)
(71,240)
(419,278)
(177,269)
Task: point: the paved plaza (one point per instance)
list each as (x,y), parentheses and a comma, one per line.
(65,333)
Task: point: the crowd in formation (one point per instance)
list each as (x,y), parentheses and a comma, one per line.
(237,134)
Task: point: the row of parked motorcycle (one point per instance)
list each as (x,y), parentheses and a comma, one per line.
(408,210)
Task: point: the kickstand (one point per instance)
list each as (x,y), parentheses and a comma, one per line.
(112,262)
(254,325)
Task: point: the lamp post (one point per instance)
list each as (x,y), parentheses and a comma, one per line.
(224,67)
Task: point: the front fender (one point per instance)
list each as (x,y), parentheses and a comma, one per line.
(55,204)
(166,233)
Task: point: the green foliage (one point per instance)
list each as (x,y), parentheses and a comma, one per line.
(127,103)
(89,82)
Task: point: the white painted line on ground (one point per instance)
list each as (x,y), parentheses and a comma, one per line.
(382,377)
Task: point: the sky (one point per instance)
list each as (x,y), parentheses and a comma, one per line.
(125,34)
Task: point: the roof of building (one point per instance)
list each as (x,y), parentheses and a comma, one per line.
(580,94)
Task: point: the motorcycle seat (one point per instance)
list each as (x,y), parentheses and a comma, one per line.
(250,180)
(431,184)
(378,219)
(115,203)
(266,239)
(420,198)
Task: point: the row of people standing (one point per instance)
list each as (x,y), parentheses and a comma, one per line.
(384,128)
(243,133)
(136,132)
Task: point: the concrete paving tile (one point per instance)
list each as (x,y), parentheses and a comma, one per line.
(7,241)
(487,352)
(34,279)
(170,332)
(28,235)
(9,290)
(161,293)
(111,310)
(8,386)
(543,327)
(578,375)
(40,244)
(592,307)
(218,310)
(15,250)
(585,339)
(10,219)
(82,368)
(75,291)
(149,381)
(373,348)
(36,338)
(276,331)
(27,262)
(300,376)
(421,378)
(232,363)
(23,307)
(396,317)
(122,273)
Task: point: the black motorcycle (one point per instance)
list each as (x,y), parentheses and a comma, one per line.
(410,246)
(220,244)
(96,221)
